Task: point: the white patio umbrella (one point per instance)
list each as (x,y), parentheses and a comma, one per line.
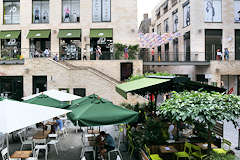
(16,115)
(58,95)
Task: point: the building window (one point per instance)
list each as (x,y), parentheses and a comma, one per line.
(213,10)
(101,11)
(237,10)
(70,11)
(79,92)
(66,90)
(186,14)
(237,45)
(159,29)
(166,28)
(40,11)
(174,2)
(165,6)
(175,21)
(158,13)
(11,11)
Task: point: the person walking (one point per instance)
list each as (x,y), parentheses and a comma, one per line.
(219,55)
(152,53)
(98,52)
(226,54)
(84,54)
(126,53)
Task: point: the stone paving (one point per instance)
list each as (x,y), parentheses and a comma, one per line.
(72,146)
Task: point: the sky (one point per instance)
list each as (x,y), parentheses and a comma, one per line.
(145,6)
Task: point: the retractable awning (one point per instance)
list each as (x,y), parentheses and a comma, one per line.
(39,33)
(139,84)
(9,34)
(98,33)
(156,84)
(69,33)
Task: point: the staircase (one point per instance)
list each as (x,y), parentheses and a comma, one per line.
(90,69)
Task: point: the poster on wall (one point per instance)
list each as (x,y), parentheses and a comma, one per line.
(186,15)
(213,10)
(97,11)
(237,10)
(106,10)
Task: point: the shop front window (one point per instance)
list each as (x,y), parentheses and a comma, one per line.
(101,11)
(11,47)
(11,12)
(237,10)
(40,11)
(70,49)
(186,14)
(213,10)
(40,47)
(70,11)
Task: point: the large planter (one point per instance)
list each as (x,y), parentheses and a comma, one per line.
(12,62)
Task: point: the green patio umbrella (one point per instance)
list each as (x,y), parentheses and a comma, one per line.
(95,111)
(45,100)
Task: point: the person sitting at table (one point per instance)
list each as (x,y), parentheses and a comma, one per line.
(108,143)
(59,124)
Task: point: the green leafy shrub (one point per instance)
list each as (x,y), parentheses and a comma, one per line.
(215,156)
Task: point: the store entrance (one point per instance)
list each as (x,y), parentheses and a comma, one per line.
(105,44)
(11,87)
(126,70)
(39,84)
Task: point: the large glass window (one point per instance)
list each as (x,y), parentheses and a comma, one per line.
(213,10)
(237,10)
(159,29)
(175,21)
(101,11)
(166,28)
(11,12)
(40,11)
(70,11)
(186,14)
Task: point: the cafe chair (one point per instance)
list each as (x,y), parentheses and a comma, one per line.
(152,156)
(131,145)
(196,152)
(117,149)
(86,148)
(54,141)
(223,150)
(43,147)
(4,153)
(35,155)
(24,142)
(186,153)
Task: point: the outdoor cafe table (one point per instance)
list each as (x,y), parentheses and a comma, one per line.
(167,149)
(21,154)
(41,135)
(204,146)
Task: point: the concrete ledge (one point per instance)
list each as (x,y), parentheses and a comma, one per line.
(12,62)
(200,63)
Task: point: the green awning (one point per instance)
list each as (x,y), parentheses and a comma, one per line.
(9,34)
(95,111)
(132,86)
(45,100)
(39,33)
(98,33)
(69,33)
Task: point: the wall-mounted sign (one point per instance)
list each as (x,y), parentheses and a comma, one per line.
(106,10)
(38,34)
(97,10)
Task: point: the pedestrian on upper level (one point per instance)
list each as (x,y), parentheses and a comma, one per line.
(126,53)
(226,54)
(219,55)
(152,53)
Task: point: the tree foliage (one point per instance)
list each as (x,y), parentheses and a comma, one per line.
(119,51)
(201,107)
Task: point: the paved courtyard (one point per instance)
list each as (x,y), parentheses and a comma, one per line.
(71,146)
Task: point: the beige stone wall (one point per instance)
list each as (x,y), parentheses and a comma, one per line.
(123,22)
(111,68)
(198,26)
(59,76)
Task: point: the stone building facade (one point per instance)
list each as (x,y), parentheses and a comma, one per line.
(206,27)
(35,31)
